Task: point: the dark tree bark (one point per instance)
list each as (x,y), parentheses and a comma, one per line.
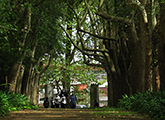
(26,13)
(19,80)
(35,89)
(161,47)
(14,76)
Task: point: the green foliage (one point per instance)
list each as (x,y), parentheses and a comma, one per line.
(150,103)
(162,1)
(44,32)
(11,101)
(5,84)
(102,81)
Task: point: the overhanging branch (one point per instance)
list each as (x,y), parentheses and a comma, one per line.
(108,17)
(82,50)
(97,36)
(91,64)
(140,8)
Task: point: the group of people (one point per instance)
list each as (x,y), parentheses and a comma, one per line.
(63,99)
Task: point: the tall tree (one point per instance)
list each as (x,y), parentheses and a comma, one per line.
(161,49)
(28,32)
(44,38)
(120,41)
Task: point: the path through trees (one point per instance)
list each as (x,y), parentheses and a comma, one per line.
(72,114)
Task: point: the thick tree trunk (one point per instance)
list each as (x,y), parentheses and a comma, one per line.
(117,91)
(14,76)
(35,89)
(155,79)
(161,47)
(154,64)
(19,80)
(145,54)
(124,63)
(26,80)
(135,50)
(110,90)
(151,10)
(116,88)
(15,72)
(30,83)
(144,37)
(29,74)
(26,12)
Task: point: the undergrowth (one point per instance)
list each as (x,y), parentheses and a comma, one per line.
(150,103)
(10,101)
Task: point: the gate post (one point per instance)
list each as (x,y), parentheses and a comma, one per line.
(49,91)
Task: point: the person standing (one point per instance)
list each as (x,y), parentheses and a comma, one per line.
(63,101)
(46,103)
(64,97)
(57,101)
(63,92)
(72,100)
(52,103)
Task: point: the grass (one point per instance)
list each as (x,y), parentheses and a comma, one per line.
(116,112)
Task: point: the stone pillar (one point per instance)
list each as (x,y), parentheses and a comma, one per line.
(49,91)
(94,94)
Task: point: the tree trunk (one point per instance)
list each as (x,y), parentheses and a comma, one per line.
(19,80)
(151,10)
(26,28)
(14,76)
(135,50)
(110,90)
(26,80)
(35,89)
(155,79)
(116,90)
(145,54)
(30,83)
(161,47)
(124,63)
(154,64)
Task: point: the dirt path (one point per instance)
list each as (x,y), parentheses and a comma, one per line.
(68,114)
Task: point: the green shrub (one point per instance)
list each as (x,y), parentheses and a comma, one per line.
(150,103)
(10,102)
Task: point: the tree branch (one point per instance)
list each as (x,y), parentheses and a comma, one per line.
(97,36)
(91,64)
(108,17)
(82,50)
(140,7)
